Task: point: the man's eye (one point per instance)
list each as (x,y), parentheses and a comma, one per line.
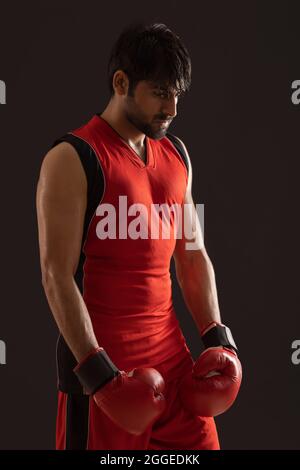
(165,95)
(161,94)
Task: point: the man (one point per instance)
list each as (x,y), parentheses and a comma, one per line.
(126,377)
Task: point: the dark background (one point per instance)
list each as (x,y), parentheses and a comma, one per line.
(242,132)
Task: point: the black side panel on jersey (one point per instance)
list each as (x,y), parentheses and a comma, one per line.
(77,422)
(179,147)
(67,380)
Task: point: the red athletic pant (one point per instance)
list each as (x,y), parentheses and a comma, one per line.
(82,425)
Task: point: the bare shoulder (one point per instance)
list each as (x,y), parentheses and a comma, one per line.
(61,168)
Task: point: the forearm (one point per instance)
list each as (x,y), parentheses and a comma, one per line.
(196,278)
(70,313)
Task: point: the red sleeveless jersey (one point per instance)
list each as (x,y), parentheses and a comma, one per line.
(126,280)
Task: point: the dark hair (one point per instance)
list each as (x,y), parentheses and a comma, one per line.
(151,52)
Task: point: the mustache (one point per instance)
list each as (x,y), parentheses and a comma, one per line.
(163,119)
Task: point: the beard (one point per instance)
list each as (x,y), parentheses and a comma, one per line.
(152,130)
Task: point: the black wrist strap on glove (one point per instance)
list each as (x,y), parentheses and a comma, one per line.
(219,335)
(95,371)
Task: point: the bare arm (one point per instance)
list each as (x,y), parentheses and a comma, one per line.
(61,205)
(194,270)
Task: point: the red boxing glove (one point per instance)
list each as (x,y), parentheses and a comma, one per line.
(213,384)
(133,400)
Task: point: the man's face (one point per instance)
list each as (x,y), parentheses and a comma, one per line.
(151,108)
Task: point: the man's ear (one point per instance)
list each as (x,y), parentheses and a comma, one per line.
(120,82)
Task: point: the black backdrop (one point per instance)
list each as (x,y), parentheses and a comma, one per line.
(242,131)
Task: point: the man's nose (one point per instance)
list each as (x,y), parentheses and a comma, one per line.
(170,107)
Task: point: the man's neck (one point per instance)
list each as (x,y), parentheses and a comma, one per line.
(135,139)
(123,127)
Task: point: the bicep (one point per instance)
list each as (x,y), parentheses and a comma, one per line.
(61,200)
(191,239)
